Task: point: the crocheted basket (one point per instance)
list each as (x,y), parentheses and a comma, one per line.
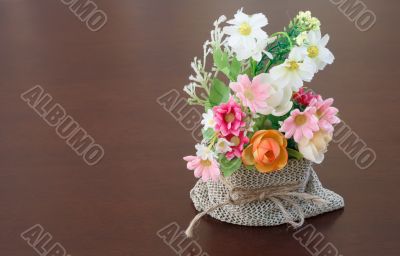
(206,195)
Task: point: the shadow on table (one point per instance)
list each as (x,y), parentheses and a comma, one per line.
(211,234)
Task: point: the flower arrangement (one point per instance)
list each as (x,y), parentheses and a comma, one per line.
(258,113)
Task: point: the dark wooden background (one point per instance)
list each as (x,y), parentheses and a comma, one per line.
(109,81)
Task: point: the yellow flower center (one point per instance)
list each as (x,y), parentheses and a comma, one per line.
(300,120)
(312,51)
(205,163)
(229,117)
(249,95)
(235,140)
(293,65)
(245,29)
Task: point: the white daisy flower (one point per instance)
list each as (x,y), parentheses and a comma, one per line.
(314,48)
(245,33)
(204,152)
(223,146)
(293,71)
(208,120)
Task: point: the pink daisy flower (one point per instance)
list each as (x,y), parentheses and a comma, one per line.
(253,94)
(304,97)
(238,145)
(204,169)
(300,124)
(229,118)
(325,113)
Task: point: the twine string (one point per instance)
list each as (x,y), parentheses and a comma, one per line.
(276,194)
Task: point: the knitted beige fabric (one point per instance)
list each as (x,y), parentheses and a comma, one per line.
(265,213)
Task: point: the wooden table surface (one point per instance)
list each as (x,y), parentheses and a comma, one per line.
(109,80)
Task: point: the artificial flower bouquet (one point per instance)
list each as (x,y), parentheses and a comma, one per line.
(262,126)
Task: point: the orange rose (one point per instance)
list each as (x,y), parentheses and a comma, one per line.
(267,151)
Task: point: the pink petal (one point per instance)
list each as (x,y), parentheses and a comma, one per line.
(236,87)
(298,135)
(197,172)
(206,175)
(244,80)
(307,132)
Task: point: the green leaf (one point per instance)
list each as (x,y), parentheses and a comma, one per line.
(261,64)
(251,168)
(294,153)
(292,144)
(259,123)
(207,106)
(208,134)
(225,70)
(221,60)
(276,119)
(253,65)
(229,166)
(219,93)
(234,70)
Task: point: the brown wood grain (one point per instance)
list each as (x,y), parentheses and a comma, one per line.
(109,80)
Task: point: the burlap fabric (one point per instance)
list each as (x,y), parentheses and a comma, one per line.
(206,195)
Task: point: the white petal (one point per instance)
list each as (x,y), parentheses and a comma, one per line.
(298,53)
(258,34)
(308,66)
(324,41)
(296,81)
(287,94)
(232,22)
(258,20)
(314,36)
(248,43)
(269,55)
(275,99)
(241,17)
(311,37)
(286,80)
(309,152)
(265,111)
(277,72)
(231,30)
(326,56)
(242,53)
(317,34)
(283,109)
(257,56)
(320,65)
(234,41)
